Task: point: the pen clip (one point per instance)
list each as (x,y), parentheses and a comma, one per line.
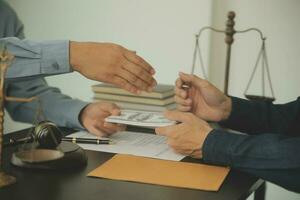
(185,86)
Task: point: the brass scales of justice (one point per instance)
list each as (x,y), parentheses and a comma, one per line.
(261,58)
(42,147)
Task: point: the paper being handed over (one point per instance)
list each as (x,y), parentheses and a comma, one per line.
(139,144)
(140,118)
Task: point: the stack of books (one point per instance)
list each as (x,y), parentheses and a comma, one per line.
(162,97)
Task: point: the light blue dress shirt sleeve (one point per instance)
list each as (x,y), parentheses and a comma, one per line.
(37,58)
(25,77)
(56,107)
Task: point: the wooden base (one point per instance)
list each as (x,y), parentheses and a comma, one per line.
(73,157)
(6,180)
(259,98)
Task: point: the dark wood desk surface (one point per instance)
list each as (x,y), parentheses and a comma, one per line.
(74,184)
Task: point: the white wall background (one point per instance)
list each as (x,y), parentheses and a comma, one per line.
(163,33)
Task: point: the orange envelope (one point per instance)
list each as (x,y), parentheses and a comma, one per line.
(162,172)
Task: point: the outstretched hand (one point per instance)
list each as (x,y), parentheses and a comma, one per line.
(202,98)
(93,115)
(111,63)
(186,138)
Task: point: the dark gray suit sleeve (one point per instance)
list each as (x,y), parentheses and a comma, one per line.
(255,117)
(270,152)
(273,157)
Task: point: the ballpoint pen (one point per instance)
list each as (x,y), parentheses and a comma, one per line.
(87,140)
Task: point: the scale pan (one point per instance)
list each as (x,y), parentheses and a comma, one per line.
(38,155)
(259,98)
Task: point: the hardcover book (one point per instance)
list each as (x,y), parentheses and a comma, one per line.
(161,91)
(138,106)
(134,99)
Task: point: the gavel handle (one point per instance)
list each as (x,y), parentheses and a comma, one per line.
(14,142)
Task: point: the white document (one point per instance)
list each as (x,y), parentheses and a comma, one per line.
(140,118)
(139,144)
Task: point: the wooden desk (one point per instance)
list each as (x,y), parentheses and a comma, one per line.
(74,184)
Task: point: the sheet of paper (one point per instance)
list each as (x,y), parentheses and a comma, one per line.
(162,172)
(140,118)
(139,144)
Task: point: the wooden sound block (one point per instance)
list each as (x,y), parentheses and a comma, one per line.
(66,155)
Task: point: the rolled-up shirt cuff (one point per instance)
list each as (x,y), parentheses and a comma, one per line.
(73,114)
(55,57)
(37,59)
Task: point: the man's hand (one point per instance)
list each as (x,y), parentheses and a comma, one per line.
(187,137)
(202,98)
(113,64)
(93,115)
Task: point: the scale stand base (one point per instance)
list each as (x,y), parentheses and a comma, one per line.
(73,157)
(259,98)
(6,180)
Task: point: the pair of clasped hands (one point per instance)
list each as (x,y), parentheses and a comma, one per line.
(117,65)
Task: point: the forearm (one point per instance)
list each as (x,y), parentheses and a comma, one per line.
(273,157)
(259,116)
(59,108)
(33,59)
